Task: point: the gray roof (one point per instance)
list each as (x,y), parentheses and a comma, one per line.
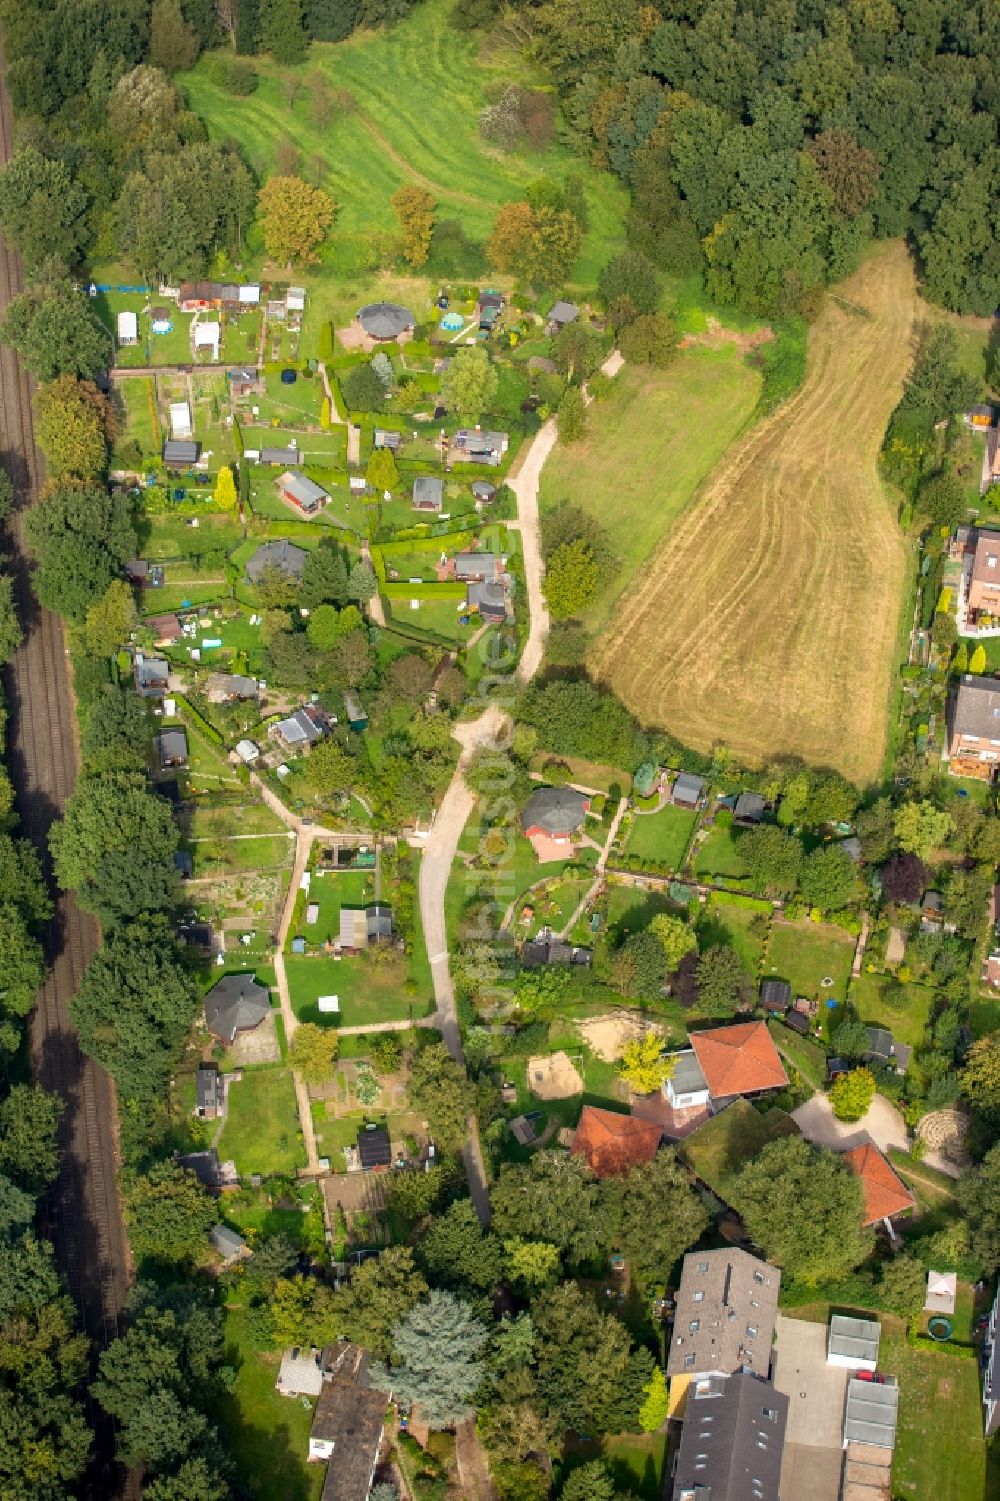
(870,1416)
(883,1048)
(236,1004)
(724,1315)
(475,565)
(687,788)
(231,685)
(489,599)
(976,710)
(180,451)
(428,490)
(151,673)
(353,1418)
(171,745)
(206,1086)
(204,1165)
(385,320)
(749,805)
(483,489)
(304,491)
(775,995)
(732,1441)
(355,709)
(301,728)
(243,374)
(855,1339)
(228,1242)
(286,455)
(360,926)
(279,554)
(558,810)
(563,312)
(385,437)
(687,1077)
(477,440)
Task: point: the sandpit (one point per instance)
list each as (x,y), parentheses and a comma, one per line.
(553,1076)
(607,1036)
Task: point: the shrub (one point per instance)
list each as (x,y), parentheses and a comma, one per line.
(233,75)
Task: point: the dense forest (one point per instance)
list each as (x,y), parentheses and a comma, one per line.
(763,143)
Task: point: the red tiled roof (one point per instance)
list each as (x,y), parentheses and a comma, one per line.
(613,1143)
(885,1194)
(738,1060)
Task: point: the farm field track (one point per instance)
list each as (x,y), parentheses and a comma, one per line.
(82,1213)
(768,616)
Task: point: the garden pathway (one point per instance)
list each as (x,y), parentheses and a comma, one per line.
(399,1026)
(599,869)
(304,839)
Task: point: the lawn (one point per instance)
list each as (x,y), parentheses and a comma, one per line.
(719,1148)
(261,1133)
(907,1025)
(138,414)
(267,1435)
(762,621)
(418,91)
(369,990)
(662,836)
(230,854)
(639,468)
(168,536)
(939,1452)
(553,907)
(805,954)
(719,856)
(743,929)
(330,891)
(801,1052)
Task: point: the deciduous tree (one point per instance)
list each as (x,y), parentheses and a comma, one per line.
(827,879)
(29,1148)
(225,489)
(458,1254)
(571,578)
(675,937)
(539,242)
(111,620)
(314,1051)
(572,413)
(440,1091)
(173,44)
(552,1198)
(363,391)
(55,331)
(42,209)
(852,1093)
(722,981)
(169,1215)
(380,1293)
(644,1066)
(470,383)
(803,1206)
(294,219)
(382,472)
(282,31)
(414,208)
(74,423)
(980,1078)
(920,828)
(904,878)
(774,858)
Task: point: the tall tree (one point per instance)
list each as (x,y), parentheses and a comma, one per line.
(42,210)
(173,43)
(55,331)
(437,1358)
(282,31)
(294,219)
(414,208)
(470,382)
(380,1293)
(74,424)
(803,1206)
(440,1091)
(112,827)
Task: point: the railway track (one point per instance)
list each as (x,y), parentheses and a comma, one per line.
(82,1214)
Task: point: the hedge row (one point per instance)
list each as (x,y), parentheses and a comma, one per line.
(200,723)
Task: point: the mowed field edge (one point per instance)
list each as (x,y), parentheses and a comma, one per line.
(768,617)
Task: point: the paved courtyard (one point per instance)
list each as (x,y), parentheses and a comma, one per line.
(883,1125)
(811,1464)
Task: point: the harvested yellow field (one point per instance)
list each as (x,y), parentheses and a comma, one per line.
(767,617)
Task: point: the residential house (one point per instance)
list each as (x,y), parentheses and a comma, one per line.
(748,810)
(307,726)
(478,567)
(560,314)
(853,1343)
(229,1244)
(738,1060)
(613,1144)
(555,813)
(474,445)
(990,1357)
(724,1314)
(385,322)
(884,1049)
(357,719)
(374,1149)
(297,490)
(128,329)
(384,437)
(687,790)
(489,307)
(279,554)
(180,454)
(775,996)
(285,457)
(983,582)
(236,1004)
(360,926)
(151,676)
(300,1373)
(165,629)
(974,728)
(171,748)
(245,380)
(487,600)
(885,1194)
(428,493)
(231,688)
(208,1091)
(732,1441)
(347,1428)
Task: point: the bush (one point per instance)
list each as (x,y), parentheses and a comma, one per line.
(233,75)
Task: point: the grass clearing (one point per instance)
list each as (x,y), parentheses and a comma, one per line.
(419,89)
(743,929)
(261,1133)
(662,836)
(720,857)
(939,1444)
(907,1025)
(805,954)
(724,1144)
(639,468)
(791,566)
(368,990)
(804,1055)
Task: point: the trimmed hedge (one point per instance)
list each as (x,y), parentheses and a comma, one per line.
(447,590)
(199,722)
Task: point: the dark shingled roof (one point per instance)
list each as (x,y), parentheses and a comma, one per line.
(350,1416)
(712,1332)
(373,1147)
(977,708)
(776,995)
(385,320)
(278,554)
(557,810)
(732,1441)
(236,1004)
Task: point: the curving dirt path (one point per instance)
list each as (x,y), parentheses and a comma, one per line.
(410,172)
(768,617)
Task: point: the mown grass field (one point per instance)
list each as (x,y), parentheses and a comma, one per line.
(768,618)
(641,463)
(805,954)
(662,836)
(419,89)
(261,1133)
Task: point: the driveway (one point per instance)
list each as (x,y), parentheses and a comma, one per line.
(813,1456)
(883,1125)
